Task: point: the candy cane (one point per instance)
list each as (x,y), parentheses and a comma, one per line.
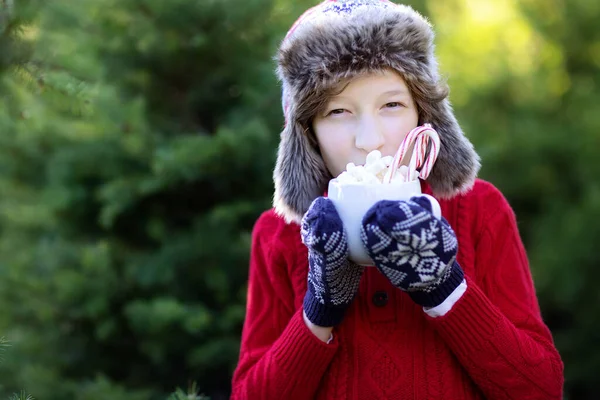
(401,153)
(427,165)
(420,136)
(418,159)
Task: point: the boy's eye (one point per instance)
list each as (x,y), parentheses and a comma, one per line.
(394,104)
(336,111)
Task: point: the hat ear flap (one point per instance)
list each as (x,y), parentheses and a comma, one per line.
(457,164)
(300,173)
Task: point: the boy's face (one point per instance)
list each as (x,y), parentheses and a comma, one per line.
(373,112)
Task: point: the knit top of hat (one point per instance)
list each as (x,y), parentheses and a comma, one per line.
(341,8)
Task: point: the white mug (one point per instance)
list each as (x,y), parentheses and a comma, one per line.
(353,200)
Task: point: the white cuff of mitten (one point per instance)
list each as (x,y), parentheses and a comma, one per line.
(447,304)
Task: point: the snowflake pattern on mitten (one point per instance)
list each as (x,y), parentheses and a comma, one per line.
(413,248)
(332,278)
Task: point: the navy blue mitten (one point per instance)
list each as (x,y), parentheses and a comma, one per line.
(413,248)
(332,278)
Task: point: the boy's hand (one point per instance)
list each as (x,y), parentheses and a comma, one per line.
(414,249)
(332,279)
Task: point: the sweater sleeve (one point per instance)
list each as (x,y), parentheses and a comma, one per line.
(280,358)
(495,329)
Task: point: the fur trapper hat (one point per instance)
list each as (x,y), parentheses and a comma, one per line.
(336,41)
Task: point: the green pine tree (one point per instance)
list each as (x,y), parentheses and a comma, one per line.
(134,168)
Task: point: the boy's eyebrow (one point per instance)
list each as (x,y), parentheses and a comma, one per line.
(387,93)
(393,92)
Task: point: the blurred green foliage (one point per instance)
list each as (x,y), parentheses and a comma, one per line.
(137,141)
(15,396)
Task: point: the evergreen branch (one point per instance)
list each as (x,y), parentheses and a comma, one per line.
(192,394)
(37,72)
(21,396)
(36,67)
(71,93)
(3,346)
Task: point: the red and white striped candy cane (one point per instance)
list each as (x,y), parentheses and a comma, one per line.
(420,136)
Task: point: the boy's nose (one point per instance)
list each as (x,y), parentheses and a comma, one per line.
(369,135)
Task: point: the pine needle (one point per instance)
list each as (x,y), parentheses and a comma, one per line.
(22,396)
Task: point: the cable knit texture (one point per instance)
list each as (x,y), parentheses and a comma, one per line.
(492,344)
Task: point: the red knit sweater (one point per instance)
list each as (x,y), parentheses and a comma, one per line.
(492,344)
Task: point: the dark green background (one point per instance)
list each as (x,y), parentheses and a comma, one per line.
(137,142)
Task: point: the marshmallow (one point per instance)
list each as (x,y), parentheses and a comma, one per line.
(376,170)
